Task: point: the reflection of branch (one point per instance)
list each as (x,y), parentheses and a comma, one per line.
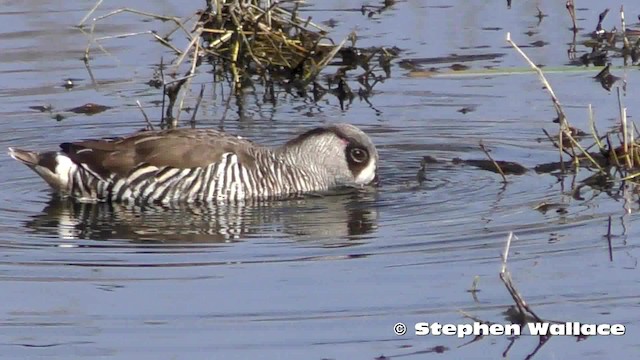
(572,12)
(609,240)
(477,337)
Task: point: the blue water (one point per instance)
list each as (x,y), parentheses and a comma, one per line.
(325,277)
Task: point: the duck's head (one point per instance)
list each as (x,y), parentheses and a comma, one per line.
(343,150)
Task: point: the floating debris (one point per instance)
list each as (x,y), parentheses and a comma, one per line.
(70,83)
(42,108)
(89,109)
(466,109)
(544,206)
(605,78)
(508,167)
(372,10)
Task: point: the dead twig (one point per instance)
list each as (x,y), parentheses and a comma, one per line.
(505,276)
(504,178)
(190,75)
(556,104)
(146,118)
(147,14)
(93,9)
(195,110)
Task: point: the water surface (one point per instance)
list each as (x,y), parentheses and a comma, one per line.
(318,277)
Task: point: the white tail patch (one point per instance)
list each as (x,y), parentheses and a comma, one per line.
(60,177)
(65,168)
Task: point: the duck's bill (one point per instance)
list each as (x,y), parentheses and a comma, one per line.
(375,181)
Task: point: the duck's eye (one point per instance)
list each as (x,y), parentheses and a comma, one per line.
(358,155)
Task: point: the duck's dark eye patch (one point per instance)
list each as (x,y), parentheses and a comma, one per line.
(358,155)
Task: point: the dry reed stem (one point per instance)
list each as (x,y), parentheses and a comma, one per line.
(235,51)
(185,89)
(147,14)
(279,54)
(193,41)
(290,16)
(181,25)
(268,11)
(146,118)
(505,276)
(324,61)
(504,178)
(556,104)
(93,9)
(224,31)
(88,67)
(156,36)
(543,79)
(564,127)
(623,122)
(177,21)
(630,177)
(85,59)
(505,253)
(555,144)
(635,146)
(625,40)
(100,47)
(612,152)
(166,43)
(584,152)
(221,40)
(594,130)
(219,10)
(627,143)
(195,109)
(239,29)
(122,36)
(164,90)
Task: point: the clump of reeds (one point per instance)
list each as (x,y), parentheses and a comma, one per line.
(266,42)
(259,36)
(615,153)
(606,43)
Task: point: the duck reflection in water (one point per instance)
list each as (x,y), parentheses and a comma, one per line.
(334,221)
